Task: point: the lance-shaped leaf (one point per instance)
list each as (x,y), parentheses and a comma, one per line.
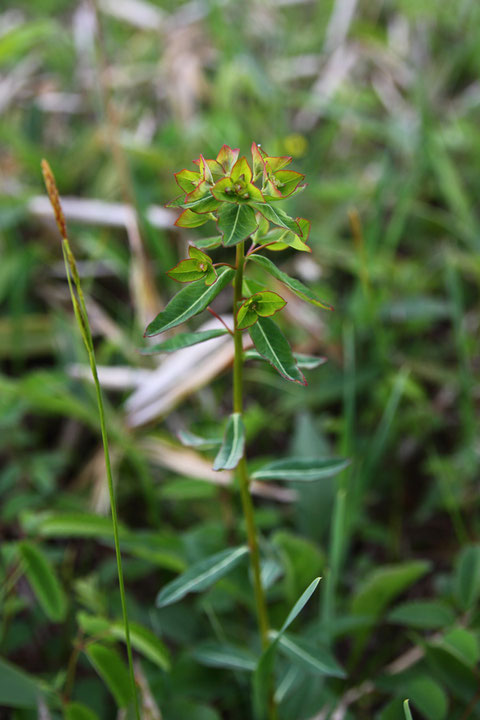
(262,229)
(236,223)
(78,711)
(44,582)
(201,575)
(189,301)
(144,641)
(280,239)
(178,202)
(190,439)
(261,304)
(301,469)
(406,710)
(278,217)
(233,444)
(272,345)
(295,285)
(17,689)
(264,670)
(307,362)
(183,340)
(191,219)
(198,266)
(204,204)
(310,657)
(213,654)
(208,243)
(109,665)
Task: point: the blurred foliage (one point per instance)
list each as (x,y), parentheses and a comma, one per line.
(380,108)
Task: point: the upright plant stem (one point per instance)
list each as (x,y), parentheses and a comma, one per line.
(82,318)
(113,505)
(247,505)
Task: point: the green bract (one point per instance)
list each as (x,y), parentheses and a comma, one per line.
(261,304)
(229,191)
(242,199)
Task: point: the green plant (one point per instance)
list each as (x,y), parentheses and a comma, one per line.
(242,201)
(101,657)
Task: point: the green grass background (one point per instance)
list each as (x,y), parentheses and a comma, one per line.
(381,111)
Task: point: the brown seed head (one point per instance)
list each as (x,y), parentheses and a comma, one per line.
(54,197)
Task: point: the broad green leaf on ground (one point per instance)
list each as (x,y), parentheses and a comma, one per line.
(272,345)
(464,643)
(111,668)
(301,469)
(183,340)
(467,576)
(278,217)
(453,669)
(383,584)
(233,444)
(307,362)
(93,624)
(17,689)
(44,581)
(161,549)
(300,557)
(223,655)
(265,666)
(63,524)
(379,589)
(145,642)
(295,285)
(236,223)
(428,696)
(189,439)
(201,575)
(422,614)
(189,301)
(78,711)
(187,490)
(310,657)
